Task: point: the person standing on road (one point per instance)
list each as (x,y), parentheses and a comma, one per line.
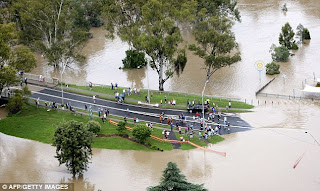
(94,98)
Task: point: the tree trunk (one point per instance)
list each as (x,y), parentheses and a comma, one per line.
(161,82)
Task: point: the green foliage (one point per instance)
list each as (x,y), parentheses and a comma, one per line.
(94,127)
(294,46)
(151,27)
(181,62)
(286,36)
(23,59)
(26,91)
(51,27)
(272,68)
(134,59)
(306,34)
(303,33)
(280,53)
(141,133)
(121,128)
(7,76)
(172,179)
(225,8)
(216,42)
(73,146)
(7,34)
(15,104)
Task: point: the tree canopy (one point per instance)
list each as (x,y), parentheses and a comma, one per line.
(152,27)
(13,57)
(172,179)
(73,140)
(286,36)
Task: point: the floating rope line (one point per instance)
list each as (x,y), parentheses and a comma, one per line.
(297,162)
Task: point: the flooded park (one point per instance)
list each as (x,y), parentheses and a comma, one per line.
(258,159)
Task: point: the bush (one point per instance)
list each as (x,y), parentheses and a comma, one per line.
(94,127)
(286,36)
(272,68)
(134,59)
(15,104)
(306,34)
(294,46)
(141,133)
(280,53)
(121,128)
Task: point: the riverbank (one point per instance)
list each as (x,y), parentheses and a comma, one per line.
(157,97)
(39,124)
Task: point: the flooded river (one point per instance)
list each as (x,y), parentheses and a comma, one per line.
(260,159)
(260,27)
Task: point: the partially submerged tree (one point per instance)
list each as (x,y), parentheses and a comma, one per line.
(152,27)
(286,37)
(217,45)
(280,53)
(73,146)
(172,179)
(272,68)
(302,33)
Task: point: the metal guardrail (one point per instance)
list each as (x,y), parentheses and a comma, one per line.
(41,78)
(288,97)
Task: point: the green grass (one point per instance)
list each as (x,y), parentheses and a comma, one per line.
(181,99)
(39,125)
(214,139)
(117,143)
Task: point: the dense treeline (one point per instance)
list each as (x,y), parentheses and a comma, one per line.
(58,29)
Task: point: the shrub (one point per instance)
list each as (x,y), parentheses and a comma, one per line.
(306,34)
(272,68)
(15,104)
(121,128)
(141,133)
(94,127)
(134,59)
(279,54)
(294,46)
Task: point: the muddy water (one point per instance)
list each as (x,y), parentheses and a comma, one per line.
(260,159)
(260,27)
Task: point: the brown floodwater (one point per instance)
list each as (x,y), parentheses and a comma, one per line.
(260,27)
(260,159)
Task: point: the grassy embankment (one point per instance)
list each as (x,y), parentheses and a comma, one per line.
(181,99)
(39,125)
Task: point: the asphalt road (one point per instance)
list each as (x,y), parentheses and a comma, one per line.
(143,113)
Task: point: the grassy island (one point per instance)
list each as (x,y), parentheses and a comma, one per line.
(39,124)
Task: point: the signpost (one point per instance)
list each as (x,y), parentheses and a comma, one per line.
(260,66)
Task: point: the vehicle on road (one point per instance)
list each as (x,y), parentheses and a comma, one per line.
(197,108)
